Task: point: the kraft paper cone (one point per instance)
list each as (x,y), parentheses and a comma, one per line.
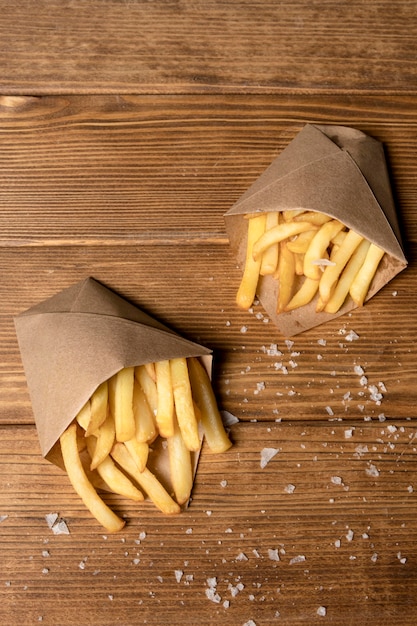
(336,170)
(74,341)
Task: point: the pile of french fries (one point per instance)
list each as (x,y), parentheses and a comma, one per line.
(112,435)
(311,255)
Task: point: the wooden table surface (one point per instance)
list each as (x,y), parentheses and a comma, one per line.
(127,130)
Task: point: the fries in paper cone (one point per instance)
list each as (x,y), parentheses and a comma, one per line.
(317,234)
(120,401)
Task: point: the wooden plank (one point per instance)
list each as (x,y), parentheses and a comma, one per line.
(192,288)
(169,168)
(328,522)
(152,47)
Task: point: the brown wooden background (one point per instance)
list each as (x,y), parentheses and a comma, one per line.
(127,130)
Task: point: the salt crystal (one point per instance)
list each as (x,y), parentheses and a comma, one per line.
(289,488)
(244,329)
(349,433)
(300,558)
(321,611)
(289,343)
(322,342)
(374,557)
(266,455)
(228,419)
(273,554)
(3,517)
(391,428)
(329,410)
(213,595)
(336,480)
(410,488)
(352,336)
(358,370)
(223,483)
(241,557)
(372,470)
(350,535)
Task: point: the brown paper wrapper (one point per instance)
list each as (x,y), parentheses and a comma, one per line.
(336,170)
(80,337)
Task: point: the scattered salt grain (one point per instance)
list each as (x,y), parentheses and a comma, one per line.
(241,557)
(289,488)
(266,455)
(336,480)
(352,336)
(3,517)
(244,329)
(372,470)
(358,370)
(56,524)
(223,483)
(273,554)
(402,559)
(322,342)
(350,535)
(329,410)
(300,558)
(321,611)
(178,575)
(228,418)
(349,433)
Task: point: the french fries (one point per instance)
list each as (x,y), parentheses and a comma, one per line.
(315,257)
(102,440)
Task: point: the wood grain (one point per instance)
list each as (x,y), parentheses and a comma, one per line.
(343,537)
(127,130)
(136,46)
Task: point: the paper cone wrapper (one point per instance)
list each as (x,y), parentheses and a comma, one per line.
(79,338)
(336,170)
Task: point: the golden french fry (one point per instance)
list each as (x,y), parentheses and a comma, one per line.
(184,407)
(286,277)
(115,480)
(339,260)
(269,260)
(138,451)
(300,243)
(363,279)
(145,423)
(146,480)
(121,403)
(314,217)
(290,214)
(181,470)
(347,277)
(318,248)
(84,415)
(105,435)
(150,368)
(338,239)
(203,394)
(77,476)
(98,412)
(304,295)
(298,262)
(276,235)
(148,385)
(247,288)
(165,410)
